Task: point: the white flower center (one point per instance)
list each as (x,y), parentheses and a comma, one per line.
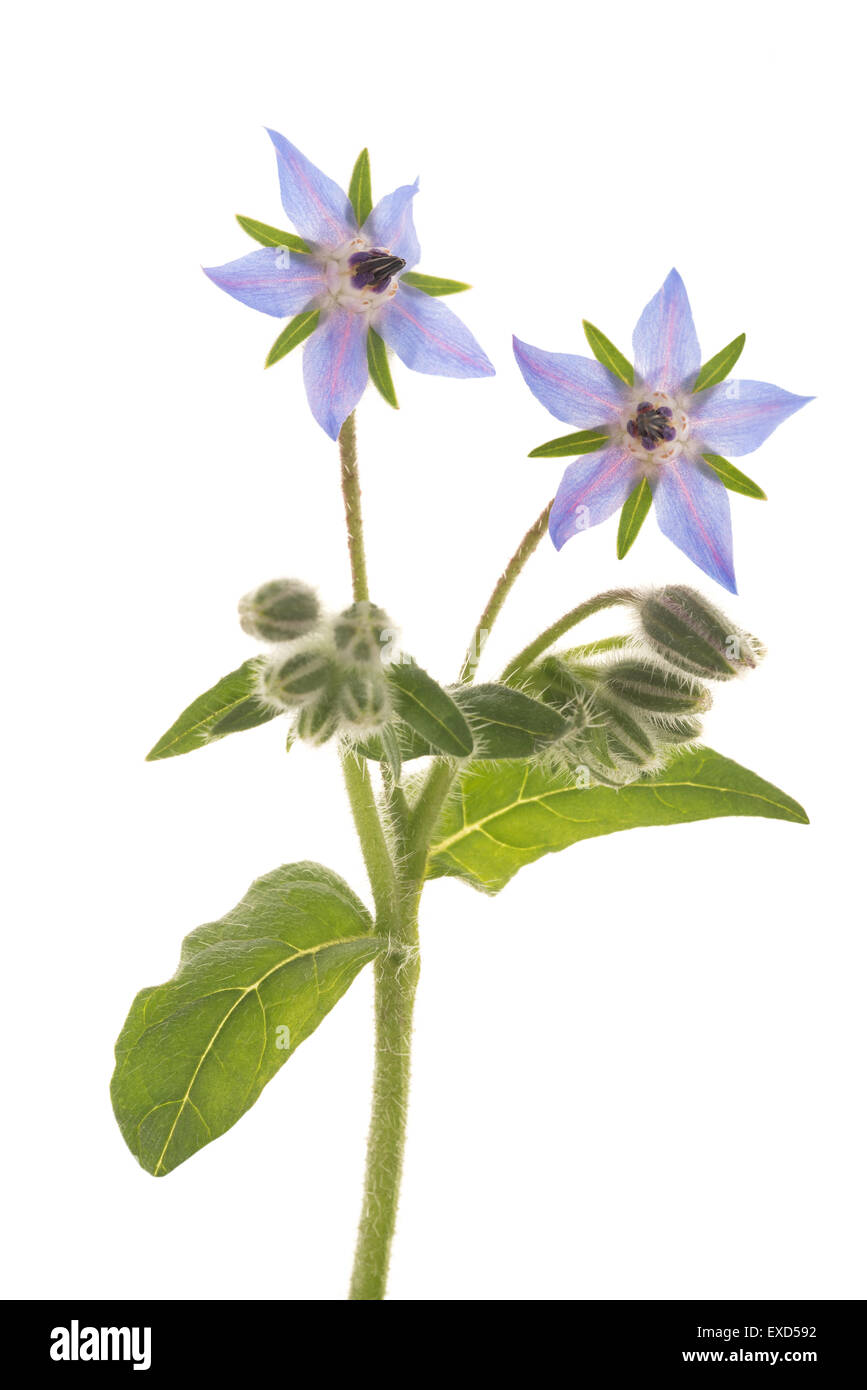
(361,277)
(654,427)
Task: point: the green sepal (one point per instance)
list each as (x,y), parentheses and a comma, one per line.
(195,1052)
(568,445)
(295,332)
(508,814)
(717,368)
(272,236)
(734,479)
(611,357)
(505,723)
(380,371)
(429,710)
(433,285)
(233,704)
(360,192)
(632,517)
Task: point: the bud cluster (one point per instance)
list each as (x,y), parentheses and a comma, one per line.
(627,710)
(328,670)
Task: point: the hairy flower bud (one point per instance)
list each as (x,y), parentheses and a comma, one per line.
(280,611)
(293,679)
(319,719)
(363,633)
(650,687)
(674,731)
(364,698)
(693,636)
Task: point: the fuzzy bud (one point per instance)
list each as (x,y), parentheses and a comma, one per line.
(319,719)
(280,611)
(693,636)
(361,634)
(652,688)
(294,679)
(364,698)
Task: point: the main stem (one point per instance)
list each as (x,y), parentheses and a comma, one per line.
(396,892)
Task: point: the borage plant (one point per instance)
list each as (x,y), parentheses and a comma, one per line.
(472,780)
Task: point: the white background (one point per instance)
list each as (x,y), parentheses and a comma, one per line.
(638,1072)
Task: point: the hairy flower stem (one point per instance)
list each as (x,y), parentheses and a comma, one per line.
(352,507)
(562,625)
(501,592)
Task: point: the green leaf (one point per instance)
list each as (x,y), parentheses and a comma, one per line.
(195,1053)
(272,236)
(635,509)
(228,707)
(295,332)
(734,479)
(433,284)
(429,710)
(510,814)
(360,194)
(568,445)
(380,372)
(611,357)
(506,723)
(717,368)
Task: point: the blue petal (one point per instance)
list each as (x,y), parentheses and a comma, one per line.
(428,337)
(390,225)
(273,281)
(335,368)
(692,508)
(737,416)
(316,204)
(664,342)
(592,488)
(575,389)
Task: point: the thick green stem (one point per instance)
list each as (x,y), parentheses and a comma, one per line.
(569,620)
(396,980)
(501,592)
(352,507)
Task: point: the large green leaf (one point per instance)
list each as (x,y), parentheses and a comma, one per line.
(429,710)
(717,368)
(510,814)
(195,1053)
(271,236)
(360,194)
(228,707)
(433,285)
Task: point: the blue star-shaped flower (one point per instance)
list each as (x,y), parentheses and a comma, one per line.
(352,275)
(658,429)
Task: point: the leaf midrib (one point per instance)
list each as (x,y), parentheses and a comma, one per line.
(521,800)
(245,991)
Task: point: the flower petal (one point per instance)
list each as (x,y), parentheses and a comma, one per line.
(737,416)
(591,489)
(316,204)
(335,368)
(575,389)
(273,281)
(692,508)
(428,337)
(390,225)
(664,342)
